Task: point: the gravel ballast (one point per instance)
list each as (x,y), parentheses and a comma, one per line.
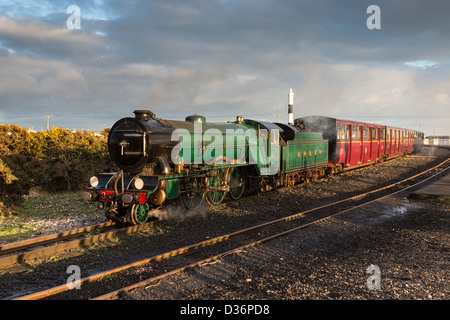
(330,261)
(408,240)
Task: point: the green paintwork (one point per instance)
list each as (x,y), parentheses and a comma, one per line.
(173,188)
(306,151)
(202,142)
(196,117)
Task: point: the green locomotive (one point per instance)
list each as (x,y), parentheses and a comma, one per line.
(165,164)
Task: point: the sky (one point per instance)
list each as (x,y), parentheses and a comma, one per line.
(225,58)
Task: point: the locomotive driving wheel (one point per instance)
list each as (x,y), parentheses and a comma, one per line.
(193,197)
(216,183)
(172,208)
(138,213)
(236,182)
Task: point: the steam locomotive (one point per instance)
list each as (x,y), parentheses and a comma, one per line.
(168,164)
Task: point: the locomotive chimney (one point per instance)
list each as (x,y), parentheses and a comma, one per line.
(291,107)
(144,115)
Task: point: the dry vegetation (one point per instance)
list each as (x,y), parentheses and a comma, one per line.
(55,160)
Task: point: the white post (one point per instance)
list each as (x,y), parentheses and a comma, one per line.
(291,107)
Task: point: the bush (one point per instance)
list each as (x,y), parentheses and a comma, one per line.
(55,160)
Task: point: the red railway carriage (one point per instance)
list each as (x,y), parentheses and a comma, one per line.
(353,144)
(398,141)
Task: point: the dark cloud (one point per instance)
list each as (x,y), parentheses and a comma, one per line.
(221,59)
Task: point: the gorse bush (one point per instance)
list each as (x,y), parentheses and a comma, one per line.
(55,160)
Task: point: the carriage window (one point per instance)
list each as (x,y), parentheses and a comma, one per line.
(366,133)
(341,131)
(356,133)
(374,133)
(382,134)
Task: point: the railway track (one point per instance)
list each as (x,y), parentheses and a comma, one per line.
(110,284)
(18,252)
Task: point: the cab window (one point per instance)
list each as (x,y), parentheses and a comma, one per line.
(275,136)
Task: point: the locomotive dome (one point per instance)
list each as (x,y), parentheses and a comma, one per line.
(196,118)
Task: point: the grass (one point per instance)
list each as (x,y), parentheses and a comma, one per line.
(12,229)
(34,211)
(55,205)
(439,200)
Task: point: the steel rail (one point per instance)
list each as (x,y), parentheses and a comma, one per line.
(62,288)
(40,241)
(81,241)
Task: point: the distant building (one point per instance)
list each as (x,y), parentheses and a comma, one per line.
(29,130)
(443,141)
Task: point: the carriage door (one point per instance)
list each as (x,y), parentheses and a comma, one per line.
(367,144)
(356,145)
(361,140)
(348,144)
(396,142)
(376,144)
(391,145)
(343,144)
